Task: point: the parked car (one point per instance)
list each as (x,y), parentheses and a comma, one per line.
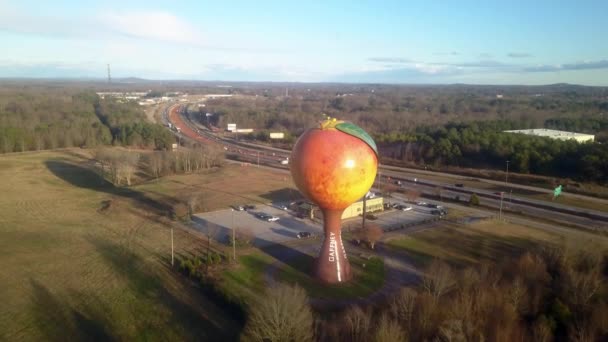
(398,182)
(238,207)
(249,207)
(302,235)
(459,185)
(403,207)
(371,216)
(266,217)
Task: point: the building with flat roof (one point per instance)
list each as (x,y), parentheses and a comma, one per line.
(555,134)
(371,205)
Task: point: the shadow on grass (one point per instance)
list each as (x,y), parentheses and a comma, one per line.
(289,255)
(58,321)
(200,320)
(463,249)
(86,178)
(283,195)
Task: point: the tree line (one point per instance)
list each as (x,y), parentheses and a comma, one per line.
(38,120)
(120,166)
(484,145)
(551,295)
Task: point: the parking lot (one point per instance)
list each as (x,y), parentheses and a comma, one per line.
(286,228)
(220,223)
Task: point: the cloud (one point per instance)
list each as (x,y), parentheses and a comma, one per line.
(16,20)
(389,60)
(453,53)
(518,55)
(601,64)
(482,64)
(161,26)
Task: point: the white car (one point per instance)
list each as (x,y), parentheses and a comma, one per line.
(285,161)
(402,207)
(273,219)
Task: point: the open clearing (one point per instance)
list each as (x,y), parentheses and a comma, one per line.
(489,240)
(82,259)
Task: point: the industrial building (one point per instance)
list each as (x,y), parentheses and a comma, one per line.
(555,134)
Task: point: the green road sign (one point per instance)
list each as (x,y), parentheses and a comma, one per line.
(557,191)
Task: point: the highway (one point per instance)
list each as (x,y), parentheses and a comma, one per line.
(268,156)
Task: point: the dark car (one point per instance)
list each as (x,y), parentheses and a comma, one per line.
(302,235)
(238,207)
(249,207)
(459,185)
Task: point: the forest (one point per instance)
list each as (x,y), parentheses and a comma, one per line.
(47,119)
(451,125)
(446,126)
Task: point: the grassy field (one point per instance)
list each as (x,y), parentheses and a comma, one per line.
(490,240)
(82,259)
(246,280)
(365,280)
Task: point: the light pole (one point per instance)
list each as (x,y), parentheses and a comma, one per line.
(500,210)
(233,238)
(507,182)
(172,258)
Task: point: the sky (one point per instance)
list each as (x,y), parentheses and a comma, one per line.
(411,42)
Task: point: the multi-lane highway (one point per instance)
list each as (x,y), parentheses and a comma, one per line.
(263,155)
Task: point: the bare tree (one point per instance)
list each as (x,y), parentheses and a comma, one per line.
(193,200)
(282,314)
(155,163)
(127,165)
(402,307)
(541,331)
(244,235)
(358,324)
(389,331)
(516,293)
(438,278)
(372,233)
(412,195)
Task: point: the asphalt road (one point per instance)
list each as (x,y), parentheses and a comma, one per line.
(254,154)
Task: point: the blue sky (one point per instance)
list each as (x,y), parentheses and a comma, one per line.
(477,42)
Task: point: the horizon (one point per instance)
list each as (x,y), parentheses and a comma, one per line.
(363,43)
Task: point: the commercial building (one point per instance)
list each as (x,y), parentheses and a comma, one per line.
(555,134)
(371,205)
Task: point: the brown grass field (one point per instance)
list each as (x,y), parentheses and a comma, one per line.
(70,270)
(490,240)
(83,260)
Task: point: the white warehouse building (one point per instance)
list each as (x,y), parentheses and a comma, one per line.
(555,134)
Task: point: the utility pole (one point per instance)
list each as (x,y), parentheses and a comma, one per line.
(364,211)
(507,181)
(172,257)
(233,238)
(500,210)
